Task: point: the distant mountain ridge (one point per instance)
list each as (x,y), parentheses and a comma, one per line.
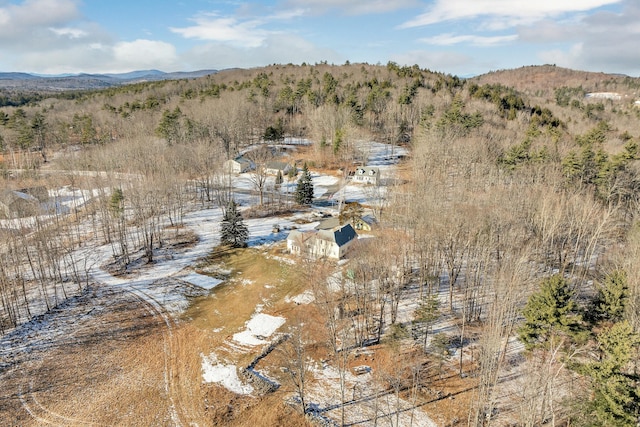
(39,82)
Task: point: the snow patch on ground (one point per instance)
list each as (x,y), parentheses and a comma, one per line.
(304,298)
(283,259)
(260,326)
(334,282)
(225,375)
(205,282)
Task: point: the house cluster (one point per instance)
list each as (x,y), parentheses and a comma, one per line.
(322,243)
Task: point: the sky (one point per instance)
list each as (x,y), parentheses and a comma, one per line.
(458,37)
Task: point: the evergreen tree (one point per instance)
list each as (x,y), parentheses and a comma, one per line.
(304,190)
(116,202)
(424,316)
(169,126)
(293,172)
(279,179)
(611,299)
(616,397)
(233,231)
(275,133)
(337,141)
(550,312)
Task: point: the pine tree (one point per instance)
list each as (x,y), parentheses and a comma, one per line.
(611,299)
(425,314)
(116,203)
(233,231)
(278,180)
(304,190)
(293,172)
(616,397)
(550,312)
(169,126)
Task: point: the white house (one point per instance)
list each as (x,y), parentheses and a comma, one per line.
(238,165)
(333,243)
(366,175)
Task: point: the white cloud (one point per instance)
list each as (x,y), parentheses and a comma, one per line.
(452,39)
(52,36)
(570,58)
(351,7)
(224,29)
(22,20)
(604,41)
(144,54)
(248,32)
(502,14)
(102,58)
(547,31)
(276,48)
(436,61)
(72,33)
(57,61)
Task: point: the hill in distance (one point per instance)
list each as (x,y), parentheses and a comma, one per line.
(83,81)
(527,79)
(537,79)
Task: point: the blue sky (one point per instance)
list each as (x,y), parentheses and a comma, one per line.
(461,37)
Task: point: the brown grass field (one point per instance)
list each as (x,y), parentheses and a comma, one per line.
(116,360)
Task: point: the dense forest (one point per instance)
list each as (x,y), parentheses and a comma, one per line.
(519,197)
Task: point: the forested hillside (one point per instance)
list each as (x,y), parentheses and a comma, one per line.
(513,222)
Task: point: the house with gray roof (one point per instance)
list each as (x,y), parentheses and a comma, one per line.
(272,168)
(330,243)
